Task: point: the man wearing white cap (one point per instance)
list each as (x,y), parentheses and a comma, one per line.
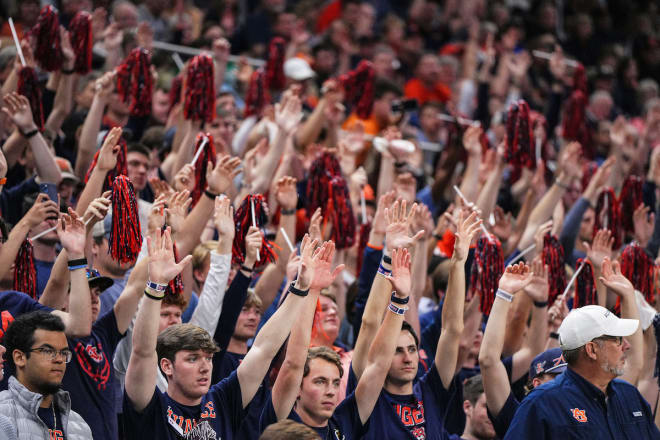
(588,401)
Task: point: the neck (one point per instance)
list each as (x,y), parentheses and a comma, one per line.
(177,395)
(44,251)
(238,346)
(595,375)
(311,420)
(467,434)
(397,387)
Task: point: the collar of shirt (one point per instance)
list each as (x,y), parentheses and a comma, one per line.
(589,389)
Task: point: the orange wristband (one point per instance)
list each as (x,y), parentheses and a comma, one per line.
(374,247)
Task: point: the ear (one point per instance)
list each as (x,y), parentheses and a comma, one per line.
(590,351)
(167,366)
(20,358)
(467,408)
(198,275)
(536,382)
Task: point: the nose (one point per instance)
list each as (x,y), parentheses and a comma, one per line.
(625,346)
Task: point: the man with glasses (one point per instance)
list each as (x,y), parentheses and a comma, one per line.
(587,400)
(38,348)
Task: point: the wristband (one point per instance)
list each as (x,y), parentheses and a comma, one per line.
(397,300)
(554,335)
(375,247)
(383,271)
(297,292)
(387,259)
(78,262)
(66,71)
(562,185)
(540,304)
(287,211)
(438,237)
(3,181)
(210,195)
(29,134)
(155,286)
(397,310)
(246,269)
(81,266)
(506,296)
(154,297)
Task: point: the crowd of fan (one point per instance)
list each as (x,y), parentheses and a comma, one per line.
(341,220)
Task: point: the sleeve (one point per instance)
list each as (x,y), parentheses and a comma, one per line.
(227,394)
(210,302)
(351,382)
(508,365)
(571,227)
(447,402)
(137,124)
(348,417)
(503,420)
(135,421)
(18,303)
(370,264)
(12,199)
(527,422)
(268,416)
(231,308)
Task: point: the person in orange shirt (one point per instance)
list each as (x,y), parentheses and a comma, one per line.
(426,85)
(385,92)
(28,12)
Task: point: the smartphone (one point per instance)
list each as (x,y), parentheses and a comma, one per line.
(405,106)
(50,189)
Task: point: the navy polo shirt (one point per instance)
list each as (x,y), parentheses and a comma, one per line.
(570,407)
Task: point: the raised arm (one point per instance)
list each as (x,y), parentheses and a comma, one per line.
(472,144)
(488,194)
(273,334)
(446,355)
(493,372)
(143,363)
(382,350)
(287,385)
(64,95)
(599,249)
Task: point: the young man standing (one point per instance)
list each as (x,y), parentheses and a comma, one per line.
(191,406)
(477,424)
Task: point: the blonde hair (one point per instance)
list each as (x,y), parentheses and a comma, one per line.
(202,252)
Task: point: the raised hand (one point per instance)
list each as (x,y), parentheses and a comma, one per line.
(557,313)
(160,187)
(288,113)
(465,232)
(600,248)
(405,186)
(286,192)
(43,208)
(177,209)
(323,275)
(17,108)
(503,224)
(67,49)
(614,279)
(97,210)
(538,288)
(400,278)
(306,267)
(570,160)
(105,85)
(292,265)
(71,232)
(315,226)
(422,221)
(185,178)
(379,224)
(162,265)
(643,224)
(471,141)
(220,177)
(107,159)
(253,242)
(398,226)
(156,219)
(221,49)
(145,35)
(223,218)
(539,235)
(515,278)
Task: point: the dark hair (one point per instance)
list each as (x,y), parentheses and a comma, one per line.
(327,355)
(408,327)
(171,299)
(383,86)
(153,137)
(183,337)
(20,334)
(138,148)
(473,388)
(288,430)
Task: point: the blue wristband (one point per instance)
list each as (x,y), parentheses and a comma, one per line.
(81,266)
(155,286)
(397,310)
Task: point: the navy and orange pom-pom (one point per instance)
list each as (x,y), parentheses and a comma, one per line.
(358,86)
(199,96)
(585,286)
(520,149)
(125,235)
(48,45)
(28,86)
(257,96)
(135,83)
(487,268)
(629,200)
(175,92)
(275,79)
(25,273)
(243,221)
(82,41)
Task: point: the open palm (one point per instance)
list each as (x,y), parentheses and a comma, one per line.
(515,278)
(398,226)
(400,278)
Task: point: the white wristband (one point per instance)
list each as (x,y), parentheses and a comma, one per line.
(506,296)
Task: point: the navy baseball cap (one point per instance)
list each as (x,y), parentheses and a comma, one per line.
(549,362)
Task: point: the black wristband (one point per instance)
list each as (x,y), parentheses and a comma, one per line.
(541,304)
(287,211)
(66,71)
(247,269)
(387,259)
(438,237)
(395,299)
(154,297)
(210,195)
(297,292)
(554,335)
(78,262)
(29,134)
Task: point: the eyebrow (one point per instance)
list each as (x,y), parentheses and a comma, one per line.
(44,345)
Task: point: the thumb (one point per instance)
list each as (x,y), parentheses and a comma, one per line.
(185,262)
(419,235)
(338,270)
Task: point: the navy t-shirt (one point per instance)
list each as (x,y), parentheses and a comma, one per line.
(420,416)
(55,432)
(43,269)
(218,416)
(90,378)
(345,423)
(503,420)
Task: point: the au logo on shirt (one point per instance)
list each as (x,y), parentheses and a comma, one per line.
(579,414)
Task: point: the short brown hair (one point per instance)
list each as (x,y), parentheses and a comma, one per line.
(253,300)
(473,388)
(289,430)
(175,300)
(183,337)
(327,355)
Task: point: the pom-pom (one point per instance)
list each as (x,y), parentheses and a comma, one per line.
(175,92)
(327,189)
(25,274)
(574,127)
(243,221)
(520,150)
(629,200)
(28,86)
(608,215)
(553,256)
(201,164)
(487,268)
(275,79)
(175,286)
(46,32)
(82,41)
(120,169)
(639,268)
(125,236)
(365,229)
(257,96)
(585,286)
(135,83)
(358,86)
(199,97)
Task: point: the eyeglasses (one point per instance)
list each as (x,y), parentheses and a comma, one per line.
(53,354)
(618,340)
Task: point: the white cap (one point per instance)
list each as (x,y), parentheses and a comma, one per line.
(298,69)
(589,322)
